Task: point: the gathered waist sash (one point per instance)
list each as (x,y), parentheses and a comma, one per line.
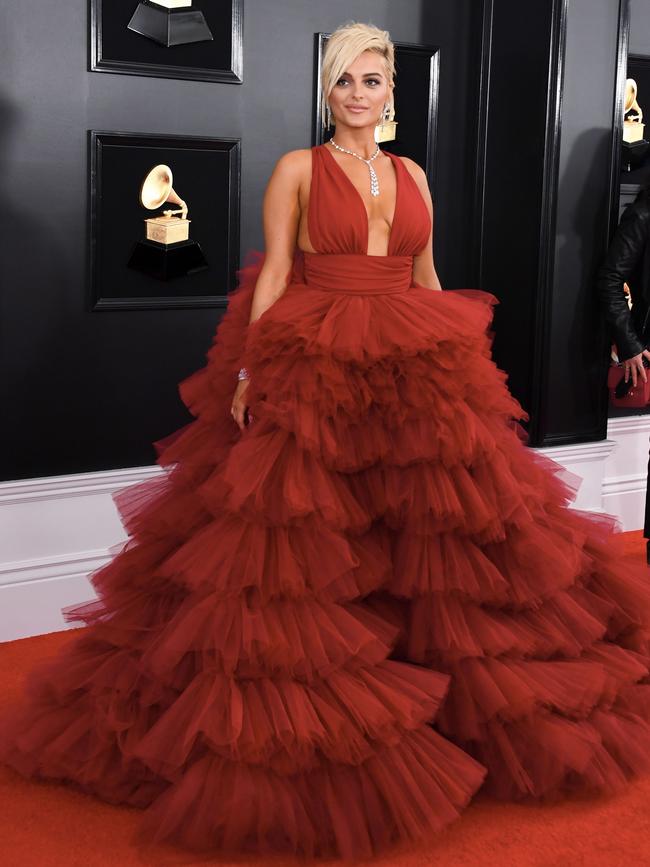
(358,274)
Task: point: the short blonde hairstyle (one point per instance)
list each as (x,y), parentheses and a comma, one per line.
(345,44)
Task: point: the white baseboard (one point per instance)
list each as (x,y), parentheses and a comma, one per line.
(54,531)
(614,471)
(588,461)
(624,484)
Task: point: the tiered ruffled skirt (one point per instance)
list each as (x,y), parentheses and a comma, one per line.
(377,551)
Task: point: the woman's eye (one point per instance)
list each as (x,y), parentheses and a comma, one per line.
(368,81)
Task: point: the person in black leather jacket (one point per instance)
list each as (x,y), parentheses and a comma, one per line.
(628,261)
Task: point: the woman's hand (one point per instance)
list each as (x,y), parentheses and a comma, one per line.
(240,404)
(634,366)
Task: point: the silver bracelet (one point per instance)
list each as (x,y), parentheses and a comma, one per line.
(243,374)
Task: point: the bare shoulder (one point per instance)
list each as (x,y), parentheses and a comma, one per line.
(419,176)
(415,169)
(294,164)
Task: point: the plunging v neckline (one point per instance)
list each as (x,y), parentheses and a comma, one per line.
(359,197)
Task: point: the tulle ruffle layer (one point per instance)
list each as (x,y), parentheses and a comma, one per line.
(547,755)
(341,767)
(403,794)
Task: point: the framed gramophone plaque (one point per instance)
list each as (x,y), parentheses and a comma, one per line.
(413,130)
(195,39)
(164,220)
(635,146)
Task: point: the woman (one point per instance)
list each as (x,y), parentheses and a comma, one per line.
(367,551)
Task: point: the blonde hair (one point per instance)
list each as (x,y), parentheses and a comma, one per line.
(345,44)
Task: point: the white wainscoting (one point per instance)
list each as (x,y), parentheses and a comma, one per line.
(614,470)
(624,484)
(56,530)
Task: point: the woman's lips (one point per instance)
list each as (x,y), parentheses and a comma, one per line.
(356,108)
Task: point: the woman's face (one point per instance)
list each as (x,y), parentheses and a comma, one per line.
(364,86)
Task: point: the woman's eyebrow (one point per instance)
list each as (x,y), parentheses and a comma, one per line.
(366,74)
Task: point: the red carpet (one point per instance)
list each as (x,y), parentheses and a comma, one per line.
(46,824)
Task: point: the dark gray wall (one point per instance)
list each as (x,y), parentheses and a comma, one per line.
(640,28)
(85,391)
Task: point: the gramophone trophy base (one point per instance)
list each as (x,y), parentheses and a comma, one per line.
(167,262)
(169,27)
(633,154)
(633,131)
(167,230)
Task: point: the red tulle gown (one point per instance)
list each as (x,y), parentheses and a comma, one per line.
(327,632)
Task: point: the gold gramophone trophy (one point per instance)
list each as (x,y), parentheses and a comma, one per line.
(632,125)
(170,22)
(634,145)
(167,251)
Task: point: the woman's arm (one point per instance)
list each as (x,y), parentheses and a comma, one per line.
(424,271)
(281,216)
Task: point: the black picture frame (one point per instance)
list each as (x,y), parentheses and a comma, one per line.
(417,83)
(640,61)
(637,162)
(114,48)
(207,175)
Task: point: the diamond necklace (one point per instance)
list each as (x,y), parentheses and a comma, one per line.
(374,183)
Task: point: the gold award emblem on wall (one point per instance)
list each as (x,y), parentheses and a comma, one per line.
(157,190)
(633,125)
(167,251)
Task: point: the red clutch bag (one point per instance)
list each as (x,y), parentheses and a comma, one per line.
(623,393)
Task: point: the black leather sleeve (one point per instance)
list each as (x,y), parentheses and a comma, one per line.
(623,257)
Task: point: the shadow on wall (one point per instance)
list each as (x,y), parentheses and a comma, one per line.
(32,321)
